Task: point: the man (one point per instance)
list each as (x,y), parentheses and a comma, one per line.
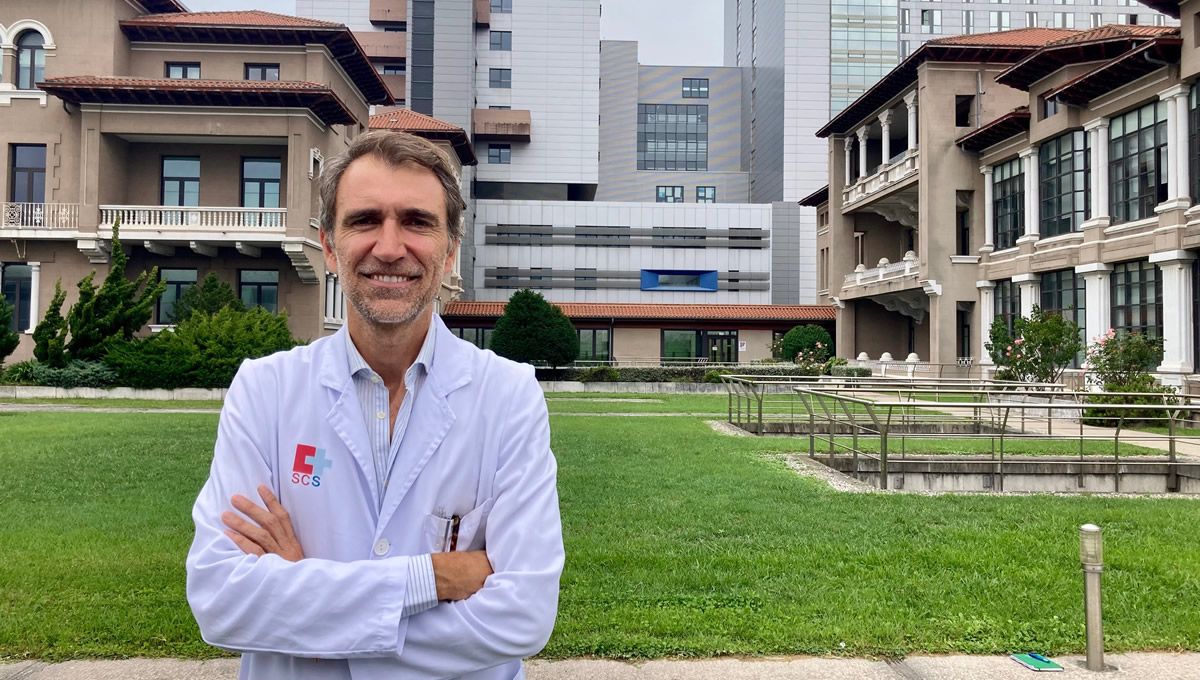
(404,521)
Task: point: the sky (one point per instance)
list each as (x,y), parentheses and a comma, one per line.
(669,32)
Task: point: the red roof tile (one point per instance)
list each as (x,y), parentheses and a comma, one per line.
(117,82)
(1018,37)
(408,120)
(247,19)
(601,310)
(1110,31)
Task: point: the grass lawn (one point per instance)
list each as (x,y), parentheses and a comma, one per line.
(680,542)
(118,403)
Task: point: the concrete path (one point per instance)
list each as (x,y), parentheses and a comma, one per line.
(1137,666)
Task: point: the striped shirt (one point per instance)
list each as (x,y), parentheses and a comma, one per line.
(385,447)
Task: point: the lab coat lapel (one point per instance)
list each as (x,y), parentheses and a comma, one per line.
(431,417)
(345,416)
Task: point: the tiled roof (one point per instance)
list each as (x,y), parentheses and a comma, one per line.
(1017,37)
(316,97)
(1168,7)
(816,198)
(1133,64)
(246,18)
(408,120)
(1111,31)
(600,310)
(1004,127)
(1096,44)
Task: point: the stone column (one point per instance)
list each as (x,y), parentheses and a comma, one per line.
(1176,147)
(35,283)
(885,142)
(1181,158)
(848,147)
(1030,286)
(1029,168)
(987,312)
(1176,268)
(1098,140)
(910,101)
(988,245)
(862,152)
(1097,299)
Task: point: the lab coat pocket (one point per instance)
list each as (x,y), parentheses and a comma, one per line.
(441,533)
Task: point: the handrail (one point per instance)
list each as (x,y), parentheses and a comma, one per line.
(192,217)
(40,215)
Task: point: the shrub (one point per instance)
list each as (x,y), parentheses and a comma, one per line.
(74,374)
(1123,358)
(833,363)
(807,338)
(21,373)
(850,371)
(1039,348)
(598,374)
(50,336)
(8,339)
(714,376)
(533,330)
(209,296)
(1149,393)
(205,350)
(691,374)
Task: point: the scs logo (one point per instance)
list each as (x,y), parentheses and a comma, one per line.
(310,463)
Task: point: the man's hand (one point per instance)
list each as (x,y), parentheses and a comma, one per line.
(460,575)
(270,532)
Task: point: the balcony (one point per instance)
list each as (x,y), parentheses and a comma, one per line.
(383,44)
(483,12)
(53,216)
(157,218)
(883,278)
(388,11)
(502,125)
(900,171)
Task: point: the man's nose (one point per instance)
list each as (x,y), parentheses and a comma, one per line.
(391,244)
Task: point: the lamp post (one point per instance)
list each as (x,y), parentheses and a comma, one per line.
(1091,556)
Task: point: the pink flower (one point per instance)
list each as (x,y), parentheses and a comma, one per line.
(1018,341)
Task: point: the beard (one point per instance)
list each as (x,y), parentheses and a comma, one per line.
(388,307)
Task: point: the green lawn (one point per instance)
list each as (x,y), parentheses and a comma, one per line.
(680,542)
(118,403)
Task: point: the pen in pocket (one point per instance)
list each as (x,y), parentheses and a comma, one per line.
(453,543)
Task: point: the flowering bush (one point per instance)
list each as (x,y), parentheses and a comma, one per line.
(806,338)
(1120,359)
(1037,350)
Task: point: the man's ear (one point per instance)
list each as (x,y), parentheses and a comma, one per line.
(328,251)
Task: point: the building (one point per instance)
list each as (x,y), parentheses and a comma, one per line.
(201,133)
(1066,177)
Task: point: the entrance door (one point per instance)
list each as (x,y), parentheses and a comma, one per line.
(722,346)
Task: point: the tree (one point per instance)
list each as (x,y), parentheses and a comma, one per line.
(532,329)
(9,339)
(209,296)
(1039,347)
(50,336)
(810,339)
(115,310)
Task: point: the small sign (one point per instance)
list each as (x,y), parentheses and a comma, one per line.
(741,345)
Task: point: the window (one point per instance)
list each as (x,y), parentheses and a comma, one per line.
(968,21)
(1063,183)
(1008,203)
(31,60)
(906,20)
(706,194)
(695,88)
(262,71)
(500,78)
(668,195)
(335,302)
(499,154)
(672,137)
(963,313)
(716,346)
(1095,20)
(394,68)
(678,279)
(931,21)
(1194,148)
(180,181)
(585,276)
(420,81)
(999,21)
(500,108)
(480,337)
(502,6)
(964,107)
(1137,162)
(593,344)
(1137,298)
(1008,302)
(500,41)
(18,287)
(182,70)
(1064,20)
(962,223)
(1047,107)
(1031,19)
(260,182)
(178,281)
(1063,294)
(259,288)
(28,172)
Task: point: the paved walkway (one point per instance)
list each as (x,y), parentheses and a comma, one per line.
(1138,666)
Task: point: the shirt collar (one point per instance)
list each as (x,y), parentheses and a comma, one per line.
(424,357)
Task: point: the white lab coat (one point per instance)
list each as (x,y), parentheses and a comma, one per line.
(477,446)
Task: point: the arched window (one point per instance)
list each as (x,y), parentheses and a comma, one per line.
(31,59)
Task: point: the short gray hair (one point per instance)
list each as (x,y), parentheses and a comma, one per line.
(395,149)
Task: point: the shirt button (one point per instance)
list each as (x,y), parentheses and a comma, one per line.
(382,547)
(380,415)
(375,379)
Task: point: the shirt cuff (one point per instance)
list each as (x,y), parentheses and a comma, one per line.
(421,593)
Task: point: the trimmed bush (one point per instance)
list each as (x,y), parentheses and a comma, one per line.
(209,296)
(850,371)
(535,331)
(1152,393)
(809,338)
(690,374)
(598,374)
(8,339)
(74,374)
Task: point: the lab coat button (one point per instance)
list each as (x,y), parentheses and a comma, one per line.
(380,415)
(382,547)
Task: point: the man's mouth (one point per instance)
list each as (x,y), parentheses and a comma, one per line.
(392,278)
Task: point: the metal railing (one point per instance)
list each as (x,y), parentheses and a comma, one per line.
(172,217)
(39,215)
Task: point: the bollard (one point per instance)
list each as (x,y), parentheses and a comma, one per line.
(1091,556)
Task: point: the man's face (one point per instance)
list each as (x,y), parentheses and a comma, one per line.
(391,244)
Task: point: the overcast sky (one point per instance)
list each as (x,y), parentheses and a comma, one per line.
(669,32)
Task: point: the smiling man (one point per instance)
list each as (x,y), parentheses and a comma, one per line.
(382,503)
